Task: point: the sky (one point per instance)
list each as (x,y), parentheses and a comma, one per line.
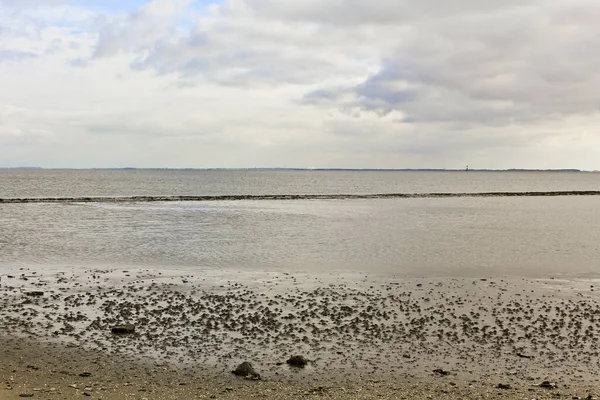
(290,83)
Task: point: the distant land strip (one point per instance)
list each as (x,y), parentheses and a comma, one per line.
(234,197)
(304,169)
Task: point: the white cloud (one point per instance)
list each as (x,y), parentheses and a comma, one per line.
(341,83)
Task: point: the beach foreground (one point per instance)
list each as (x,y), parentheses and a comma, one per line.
(50,371)
(364,336)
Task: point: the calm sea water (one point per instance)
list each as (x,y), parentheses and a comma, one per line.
(462,236)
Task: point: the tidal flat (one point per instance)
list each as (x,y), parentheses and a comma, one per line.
(364,335)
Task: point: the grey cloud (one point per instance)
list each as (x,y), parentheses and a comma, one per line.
(516,65)
(234,56)
(16,55)
(134,33)
(147,130)
(233,50)
(452,65)
(79,62)
(376,94)
(319,95)
(433,144)
(353,12)
(419,79)
(481,53)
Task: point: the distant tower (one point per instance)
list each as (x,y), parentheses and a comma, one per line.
(467,169)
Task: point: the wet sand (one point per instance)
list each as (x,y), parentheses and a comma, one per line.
(364,336)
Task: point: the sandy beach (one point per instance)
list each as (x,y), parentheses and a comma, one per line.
(364,336)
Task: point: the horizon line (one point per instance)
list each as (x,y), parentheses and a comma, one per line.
(302,169)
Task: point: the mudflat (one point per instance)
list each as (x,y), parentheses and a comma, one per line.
(364,336)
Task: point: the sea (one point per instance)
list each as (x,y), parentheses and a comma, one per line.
(406,223)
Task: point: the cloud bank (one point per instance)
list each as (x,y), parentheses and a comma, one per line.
(282,83)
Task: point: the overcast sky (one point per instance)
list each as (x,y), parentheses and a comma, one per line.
(300,83)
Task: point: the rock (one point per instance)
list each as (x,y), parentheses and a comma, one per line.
(246,370)
(523,355)
(503,386)
(297,361)
(34,293)
(548,385)
(440,371)
(123,329)
(26,395)
(85,374)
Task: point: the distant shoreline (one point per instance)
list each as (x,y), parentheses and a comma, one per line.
(301,169)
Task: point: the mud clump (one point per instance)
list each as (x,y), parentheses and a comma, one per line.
(127,329)
(246,370)
(441,372)
(548,385)
(297,361)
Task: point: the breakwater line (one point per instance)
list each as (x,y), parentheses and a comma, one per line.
(237,197)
